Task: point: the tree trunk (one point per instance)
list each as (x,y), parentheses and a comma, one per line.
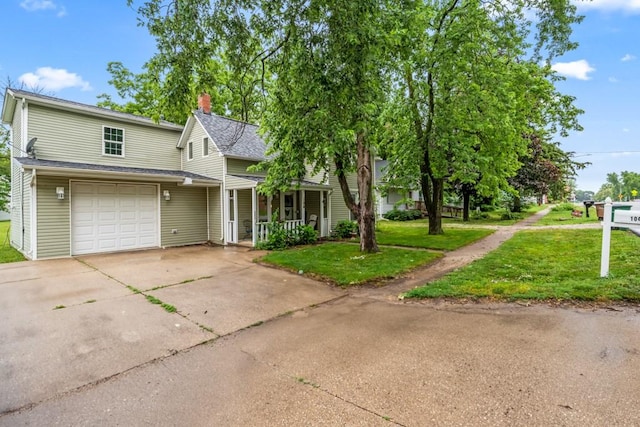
(433,190)
(517,204)
(367,219)
(466,198)
(363,209)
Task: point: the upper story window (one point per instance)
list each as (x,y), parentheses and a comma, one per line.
(205,146)
(190,150)
(112,141)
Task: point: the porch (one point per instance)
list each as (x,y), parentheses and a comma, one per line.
(248,214)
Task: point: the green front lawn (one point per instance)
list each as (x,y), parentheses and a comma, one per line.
(7,253)
(565,217)
(547,264)
(345,265)
(416,234)
(495,217)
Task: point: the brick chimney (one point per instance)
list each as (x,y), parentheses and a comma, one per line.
(204,102)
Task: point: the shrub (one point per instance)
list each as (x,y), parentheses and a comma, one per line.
(279,238)
(511,215)
(479,215)
(405,215)
(303,235)
(564,207)
(346,228)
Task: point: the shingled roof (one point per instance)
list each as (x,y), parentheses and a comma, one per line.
(32,163)
(232,137)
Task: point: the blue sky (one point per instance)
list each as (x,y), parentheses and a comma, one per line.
(65,45)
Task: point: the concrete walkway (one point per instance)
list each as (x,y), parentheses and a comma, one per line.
(452,260)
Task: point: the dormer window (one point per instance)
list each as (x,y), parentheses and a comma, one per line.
(112,141)
(190,150)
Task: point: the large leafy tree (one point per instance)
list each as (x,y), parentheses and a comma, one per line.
(630,184)
(325,56)
(325,100)
(202,46)
(545,169)
(470,88)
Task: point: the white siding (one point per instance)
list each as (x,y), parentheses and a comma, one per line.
(339,210)
(211,166)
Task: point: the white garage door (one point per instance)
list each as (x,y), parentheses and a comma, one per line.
(113,217)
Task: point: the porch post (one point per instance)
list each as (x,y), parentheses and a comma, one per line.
(329,194)
(269,202)
(303,216)
(282,217)
(322,230)
(224,196)
(254,216)
(235,216)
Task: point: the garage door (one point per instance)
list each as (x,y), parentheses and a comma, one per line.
(108,217)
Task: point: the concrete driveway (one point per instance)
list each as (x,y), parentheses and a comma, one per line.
(71,322)
(362,362)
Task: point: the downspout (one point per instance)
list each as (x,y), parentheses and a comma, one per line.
(22,209)
(208,218)
(224,203)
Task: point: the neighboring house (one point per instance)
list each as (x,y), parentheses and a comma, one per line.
(89,180)
(389,198)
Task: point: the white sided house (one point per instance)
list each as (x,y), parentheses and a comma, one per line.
(89,180)
(390,198)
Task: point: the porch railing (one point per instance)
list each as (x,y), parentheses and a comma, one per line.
(262,228)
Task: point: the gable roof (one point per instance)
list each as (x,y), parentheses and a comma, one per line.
(231,137)
(13,95)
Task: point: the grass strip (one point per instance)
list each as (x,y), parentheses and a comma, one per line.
(345,265)
(416,234)
(551,264)
(7,253)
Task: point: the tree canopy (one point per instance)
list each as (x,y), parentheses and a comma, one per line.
(470,89)
(447,90)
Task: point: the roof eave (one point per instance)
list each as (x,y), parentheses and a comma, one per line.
(235,156)
(186,131)
(89,173)
(8,107)
(103,113)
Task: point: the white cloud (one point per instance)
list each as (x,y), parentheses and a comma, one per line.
(610,5)
(577,69)
(627,57)
(613,80)
(54,79)
(37,5)
(625,130)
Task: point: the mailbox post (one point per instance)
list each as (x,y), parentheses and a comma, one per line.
(621,218)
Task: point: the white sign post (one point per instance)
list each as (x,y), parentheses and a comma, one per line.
(621,219)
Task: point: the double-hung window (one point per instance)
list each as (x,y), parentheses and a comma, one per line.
(205,147)
(112,141)
(190,150)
